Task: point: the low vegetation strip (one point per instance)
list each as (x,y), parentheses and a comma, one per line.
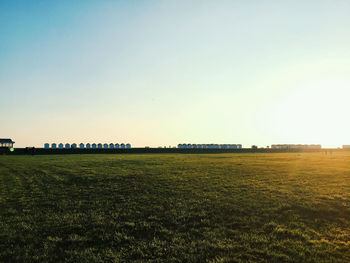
(287,207)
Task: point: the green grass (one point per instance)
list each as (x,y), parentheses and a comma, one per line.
(291,207)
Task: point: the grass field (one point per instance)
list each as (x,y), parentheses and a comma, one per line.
(290,207)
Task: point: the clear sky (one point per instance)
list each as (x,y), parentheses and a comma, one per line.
(160,73)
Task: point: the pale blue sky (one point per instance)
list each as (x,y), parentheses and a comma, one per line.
(168,72)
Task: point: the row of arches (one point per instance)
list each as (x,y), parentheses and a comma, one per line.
(209,146)
(88,146)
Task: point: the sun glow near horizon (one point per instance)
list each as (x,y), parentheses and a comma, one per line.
(312,111)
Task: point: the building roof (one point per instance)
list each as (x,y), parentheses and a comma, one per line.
(6,141)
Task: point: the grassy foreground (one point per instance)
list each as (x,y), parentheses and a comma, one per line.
(291,207)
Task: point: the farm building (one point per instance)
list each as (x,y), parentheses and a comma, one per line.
(295,146)
(209,146)
(7,143)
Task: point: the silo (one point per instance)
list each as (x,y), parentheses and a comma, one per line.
(47,146)
(99,145)
(122,146)
(60,146)
(88,146)
(81,146)
(111,146)
(67,146)
(74,146)
(105,146)
(128,146)
(117,145)
(94,146)
(54,146)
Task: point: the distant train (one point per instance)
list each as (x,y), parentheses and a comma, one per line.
(209,146)
(88,146)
